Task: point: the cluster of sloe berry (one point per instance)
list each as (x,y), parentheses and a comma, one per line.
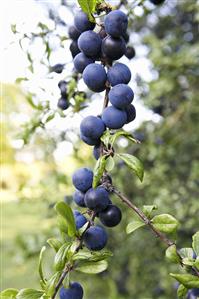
(106,45)
(88,48)
(95,237)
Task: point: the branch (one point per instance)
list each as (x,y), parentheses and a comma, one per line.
(61,279)
(148,222)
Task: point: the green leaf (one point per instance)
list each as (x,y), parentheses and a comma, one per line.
(132,226)
(29,294)
(172,255)
(40,264)
(61,257)
(62,224)
(110,163)
(88,6)
(14,28)
(134,163)
(66,212)
(54,243)
(9,294)
(20,79)
(122,133)
(195,243)
(51,283)
(196,264)
(92,267)
(182,291)
(187,255)
(85,255)
(147,210)
(165,223)
(83,229)
(186,252)
(71,87)
(50,117)
(99,170)
(105,138)
(188,280)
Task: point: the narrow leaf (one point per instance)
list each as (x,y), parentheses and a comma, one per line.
(165,223)
(54,243)
(62,224)
(29,294)
(132,226)
(171,254)
(92,267)
(66,212)
(85,255)
(20,79)
(9,294)
(134,163)
(122,133)
(147,210)
(182,291)
(99,170)
(195,243)
(105,138)
(40,264)
(88,6)
(187,252)
(196,264)
(110,164)
(61,257)
(188,280)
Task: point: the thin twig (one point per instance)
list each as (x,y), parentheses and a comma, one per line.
(61,279)
(148,222)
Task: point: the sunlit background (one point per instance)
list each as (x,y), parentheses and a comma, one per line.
(37,174)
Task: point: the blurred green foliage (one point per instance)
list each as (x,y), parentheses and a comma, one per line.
(169,151)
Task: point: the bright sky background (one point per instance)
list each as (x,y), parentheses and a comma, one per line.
(26,14)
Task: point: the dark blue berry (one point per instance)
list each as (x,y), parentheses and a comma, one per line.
(89,141)
(83,179)
(95,77)
(78,197)
(92,127)
(89,43)
(111,216)
(57,68)
(96,151)
(82,22)
(131,113)
(81,61)
(95,238)
(114,118)
(116,23)
(63,103)
(97,199)
(73,33)
(75,291)
(113,48)
(130,52)
(121,96)
(80,219)
(119,73)
(74,48)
